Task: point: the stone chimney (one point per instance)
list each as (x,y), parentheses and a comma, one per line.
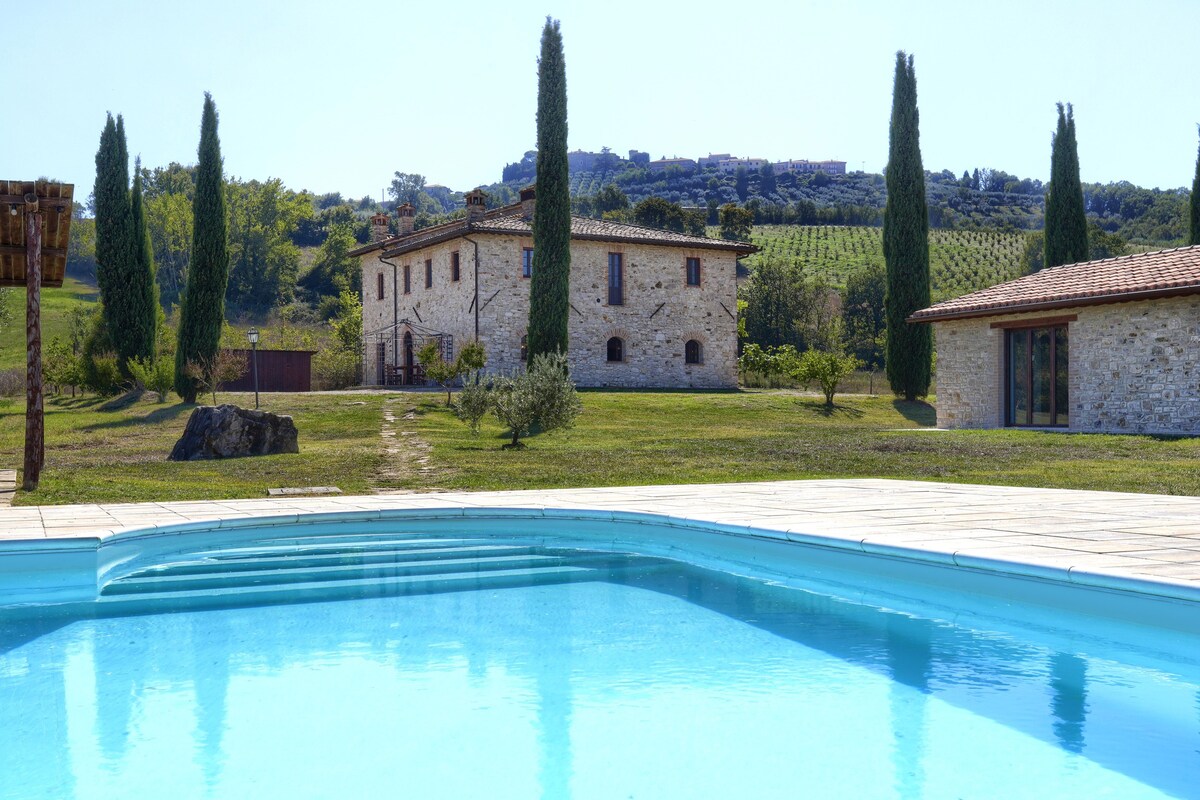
(379,227)
(406,218)
(527,203)
(476,205)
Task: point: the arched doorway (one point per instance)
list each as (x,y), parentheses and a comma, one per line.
(408,358)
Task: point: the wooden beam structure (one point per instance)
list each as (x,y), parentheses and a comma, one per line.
(35,432)
(56,205)
(35,223)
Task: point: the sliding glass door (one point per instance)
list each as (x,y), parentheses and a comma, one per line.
(1036,377)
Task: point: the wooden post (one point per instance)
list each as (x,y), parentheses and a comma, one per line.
(35,452)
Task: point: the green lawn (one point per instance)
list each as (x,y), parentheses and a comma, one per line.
(115,451)
(101,451)
(57,305)
(654,438)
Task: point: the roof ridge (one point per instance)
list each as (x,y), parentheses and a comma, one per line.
(1113,258)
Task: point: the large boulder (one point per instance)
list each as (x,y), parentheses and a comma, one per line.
(226,431)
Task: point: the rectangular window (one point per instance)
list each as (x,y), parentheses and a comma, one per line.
(428,273)
(527,262)
(1036,367)
(379,287)
(454,273)
(693,272)
(616,280)
(407,278)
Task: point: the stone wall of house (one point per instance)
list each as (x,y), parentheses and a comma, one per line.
(970,355)
(444,307)
(660,314)
(1133,368)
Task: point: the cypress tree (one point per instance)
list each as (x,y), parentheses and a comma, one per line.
(143,293)
(203,308)
(1194,228)
(549,300)
(906,243)
(114,252)
(1066,221)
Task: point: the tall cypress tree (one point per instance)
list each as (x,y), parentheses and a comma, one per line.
(549,290)
(203,308)
(143,293)
(1066,221)
(113,229)
(906,243)
(1194,228)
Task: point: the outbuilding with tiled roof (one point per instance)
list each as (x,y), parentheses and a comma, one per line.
(1108,346)
(649,308)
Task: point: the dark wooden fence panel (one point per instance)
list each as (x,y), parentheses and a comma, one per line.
(278,371)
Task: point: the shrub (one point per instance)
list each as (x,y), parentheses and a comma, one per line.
(337,368)
(157,375)
(12,382)
(542,395)
(474,400)
(445,373)
(827,369)
(60,365)
(101,373)
(207,373)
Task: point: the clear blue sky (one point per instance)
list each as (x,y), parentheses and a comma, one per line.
(338,95)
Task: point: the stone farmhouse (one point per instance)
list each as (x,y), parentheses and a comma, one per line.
(1110,346)
(649,308)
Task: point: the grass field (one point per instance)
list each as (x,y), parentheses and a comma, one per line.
(115,451)
(656,438)
(57,305)
(959,261)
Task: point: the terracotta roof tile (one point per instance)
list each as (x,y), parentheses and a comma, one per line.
(1162,273)
(508,221)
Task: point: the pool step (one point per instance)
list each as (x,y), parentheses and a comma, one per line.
(308,567)
(317,591)
(300,574)
(307,559)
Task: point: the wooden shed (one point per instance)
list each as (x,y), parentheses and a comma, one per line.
(278,371)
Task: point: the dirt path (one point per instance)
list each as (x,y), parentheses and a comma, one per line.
(405,454)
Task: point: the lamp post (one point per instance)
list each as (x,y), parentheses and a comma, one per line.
(252,335)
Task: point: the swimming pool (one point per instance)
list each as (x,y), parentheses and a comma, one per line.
(500,655)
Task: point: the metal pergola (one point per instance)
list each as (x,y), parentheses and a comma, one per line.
(392,351)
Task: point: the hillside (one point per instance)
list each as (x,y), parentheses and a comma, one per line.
(959,261)
(57,305)
(988,199)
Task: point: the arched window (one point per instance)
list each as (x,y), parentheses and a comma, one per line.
(524,348)
(616,349)
(692,352)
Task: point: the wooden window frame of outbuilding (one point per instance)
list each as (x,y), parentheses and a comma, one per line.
(1051,324)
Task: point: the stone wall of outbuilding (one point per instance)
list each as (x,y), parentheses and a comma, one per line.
(1134,368)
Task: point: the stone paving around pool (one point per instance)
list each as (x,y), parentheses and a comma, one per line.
(1085,535)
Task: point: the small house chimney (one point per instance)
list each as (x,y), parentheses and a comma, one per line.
(406,219)
(379,227)
(527,203)
(476,205)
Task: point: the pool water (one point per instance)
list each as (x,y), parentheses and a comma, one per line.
(585,676)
